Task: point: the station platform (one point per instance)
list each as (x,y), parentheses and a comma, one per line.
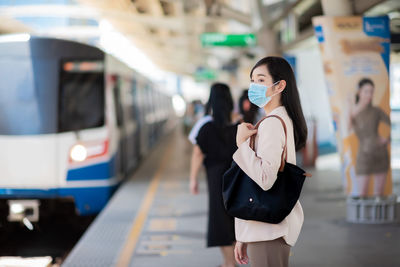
(153,220)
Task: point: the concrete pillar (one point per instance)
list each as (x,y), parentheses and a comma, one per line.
(268,41)
(337,7)
(266,37)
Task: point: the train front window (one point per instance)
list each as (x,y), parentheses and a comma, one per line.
(25,104)
(81,98)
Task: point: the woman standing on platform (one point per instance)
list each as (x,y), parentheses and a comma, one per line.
(273,87)
(215,145)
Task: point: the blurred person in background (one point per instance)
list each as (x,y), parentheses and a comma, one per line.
(194,112)
(198,109)
(248,110)
(214,146)
(188,118)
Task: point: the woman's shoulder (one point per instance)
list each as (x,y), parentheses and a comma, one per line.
(271,123)
(197,128)
(206,127)
(370,113)
(203,121)
(273,127)
(377,109)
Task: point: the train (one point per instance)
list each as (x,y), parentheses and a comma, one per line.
(74,122)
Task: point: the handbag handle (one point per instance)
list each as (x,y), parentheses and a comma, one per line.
(284,152)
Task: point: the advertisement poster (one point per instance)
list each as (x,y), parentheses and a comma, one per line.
(355,52)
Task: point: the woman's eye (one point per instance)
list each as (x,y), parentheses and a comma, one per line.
(252,81)
(261,81)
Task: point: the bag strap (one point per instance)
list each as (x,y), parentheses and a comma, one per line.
(284,152)
(253,137)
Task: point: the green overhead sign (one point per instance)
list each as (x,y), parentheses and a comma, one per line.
(219,39)
(205,75)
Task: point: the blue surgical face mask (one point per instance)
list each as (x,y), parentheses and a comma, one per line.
(257,94)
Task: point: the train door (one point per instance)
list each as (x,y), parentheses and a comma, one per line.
(143,112)
(119,111)
(150,118)
(135,117)
(130,123)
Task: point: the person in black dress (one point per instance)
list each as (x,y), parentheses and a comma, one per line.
(215,145)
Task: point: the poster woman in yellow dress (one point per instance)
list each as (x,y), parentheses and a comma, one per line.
(372,156)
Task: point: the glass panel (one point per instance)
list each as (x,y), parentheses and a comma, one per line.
(81,103)
(117,101)
(21,110)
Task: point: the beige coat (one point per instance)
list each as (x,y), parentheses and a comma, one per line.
(262,166)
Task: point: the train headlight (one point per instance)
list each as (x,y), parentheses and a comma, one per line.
(78,153)
(17,208)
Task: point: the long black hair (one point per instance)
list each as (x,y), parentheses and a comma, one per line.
(220,104)
(279,69)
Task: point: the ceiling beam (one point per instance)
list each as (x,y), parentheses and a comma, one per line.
(152,7)
(171,23)
(229,13)
(361,6)
(167,32)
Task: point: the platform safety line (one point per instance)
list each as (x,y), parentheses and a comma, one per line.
(126,254)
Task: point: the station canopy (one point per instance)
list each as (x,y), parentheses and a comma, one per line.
(190,37)
(168,32)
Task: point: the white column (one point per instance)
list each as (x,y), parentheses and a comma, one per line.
(337,7)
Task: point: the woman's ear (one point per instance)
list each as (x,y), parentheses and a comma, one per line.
(282,85)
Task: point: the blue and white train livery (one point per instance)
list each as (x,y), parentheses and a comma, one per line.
(74,122)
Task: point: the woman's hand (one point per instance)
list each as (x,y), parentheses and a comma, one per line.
(355,108)
(194,186)
(245,130)
(241,253)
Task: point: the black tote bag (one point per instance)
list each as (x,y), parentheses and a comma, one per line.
(245,199)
